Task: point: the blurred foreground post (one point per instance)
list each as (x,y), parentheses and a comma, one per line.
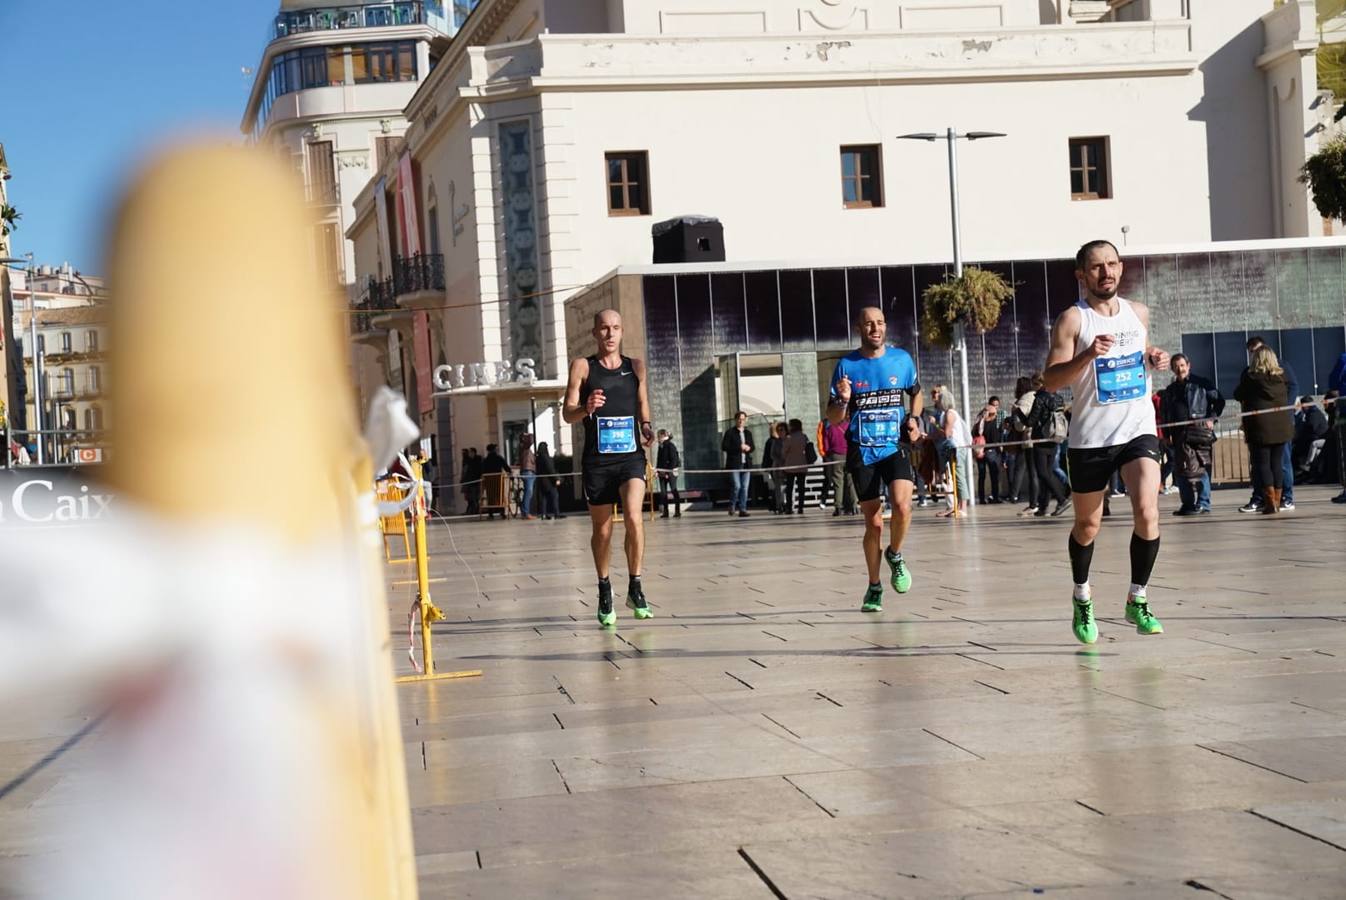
(235,424)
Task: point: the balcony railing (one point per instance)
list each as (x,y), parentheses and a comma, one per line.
(377,297)
(422,272)
(332,18)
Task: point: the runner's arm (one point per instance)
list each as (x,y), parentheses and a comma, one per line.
(643,404)
(1063,363)
(836,406)
(917,399)
(573,411)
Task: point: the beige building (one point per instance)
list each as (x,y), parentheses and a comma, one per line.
(72,341)
(553,134)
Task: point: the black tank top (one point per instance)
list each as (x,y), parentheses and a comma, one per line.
(612,433)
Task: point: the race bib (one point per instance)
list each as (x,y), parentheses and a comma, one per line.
(616,434)
(1121,378)
(880,427)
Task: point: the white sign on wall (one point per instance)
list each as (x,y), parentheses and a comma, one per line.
(484,374)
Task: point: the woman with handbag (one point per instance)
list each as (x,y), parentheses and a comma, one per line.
(1263,387)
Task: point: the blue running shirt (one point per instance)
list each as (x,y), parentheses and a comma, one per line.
(879,389)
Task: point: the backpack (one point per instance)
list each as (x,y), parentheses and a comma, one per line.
(1056,428)
(810,452)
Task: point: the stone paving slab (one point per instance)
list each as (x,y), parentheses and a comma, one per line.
(761,737)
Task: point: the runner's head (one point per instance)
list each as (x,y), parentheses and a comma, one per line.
(1180,366)
(608,330)
(1098,266)
(873,329)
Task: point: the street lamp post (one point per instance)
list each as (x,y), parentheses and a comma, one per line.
(959,331)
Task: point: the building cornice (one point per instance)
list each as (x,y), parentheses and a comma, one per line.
(1291,30)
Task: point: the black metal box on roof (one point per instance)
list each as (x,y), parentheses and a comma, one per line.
(688,239)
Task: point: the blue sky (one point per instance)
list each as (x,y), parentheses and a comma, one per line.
(90,90)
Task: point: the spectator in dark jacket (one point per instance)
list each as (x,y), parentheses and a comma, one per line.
(1310,434)
(1191,397)
(1041,421)
(548,483)
(668,461)
(1263,387)
(738,446)
(493,464)
(1287,494)
(987,430)
(471,479)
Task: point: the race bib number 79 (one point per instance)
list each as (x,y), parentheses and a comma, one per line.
(1121,378)
(880,427)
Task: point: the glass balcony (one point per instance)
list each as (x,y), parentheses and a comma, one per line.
(369,15)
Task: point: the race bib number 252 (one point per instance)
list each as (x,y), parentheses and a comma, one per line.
(1121,378)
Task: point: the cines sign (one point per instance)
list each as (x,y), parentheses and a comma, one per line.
(482,374)
(50,496)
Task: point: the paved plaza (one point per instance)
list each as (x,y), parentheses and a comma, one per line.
(763,737)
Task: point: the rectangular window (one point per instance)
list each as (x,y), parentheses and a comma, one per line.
(384,148)
(861,176)
(329,251)
(66,342)
(41,343)
(95,380)
(90,341)
(1090,172)
(322,186)
(317,71)
(68,381)
(628,183)
(384,62)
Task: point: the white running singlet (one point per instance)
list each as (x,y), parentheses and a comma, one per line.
(1111,404)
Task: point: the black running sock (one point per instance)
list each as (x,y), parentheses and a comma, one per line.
(1081,555)
(1143,555)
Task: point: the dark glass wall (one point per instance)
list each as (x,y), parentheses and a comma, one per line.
(1206,304)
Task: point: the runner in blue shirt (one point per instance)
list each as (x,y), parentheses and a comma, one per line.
(871,388)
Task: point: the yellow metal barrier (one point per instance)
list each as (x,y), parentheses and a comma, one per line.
(429,613)
(393,526)
(494,494)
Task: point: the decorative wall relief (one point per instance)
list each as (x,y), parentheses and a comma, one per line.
(521,255)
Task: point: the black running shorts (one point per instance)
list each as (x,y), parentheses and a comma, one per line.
(1091,467)
(871,482)
(603,484)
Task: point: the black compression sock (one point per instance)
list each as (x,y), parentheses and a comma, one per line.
(1081,556)
(1143,555)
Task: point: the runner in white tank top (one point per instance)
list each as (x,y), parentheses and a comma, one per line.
(1111,397)
(1100,349)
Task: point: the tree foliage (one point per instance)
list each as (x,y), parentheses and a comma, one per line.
(975,298)
(1325,174)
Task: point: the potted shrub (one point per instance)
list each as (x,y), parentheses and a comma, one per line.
(975,298)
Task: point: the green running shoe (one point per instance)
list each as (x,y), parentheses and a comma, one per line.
(1084,626)
(607,617)
(635,601)
(1138,614)
(901,575)
(873,601)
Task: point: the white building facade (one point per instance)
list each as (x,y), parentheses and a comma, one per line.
(554,133)
(329,92)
